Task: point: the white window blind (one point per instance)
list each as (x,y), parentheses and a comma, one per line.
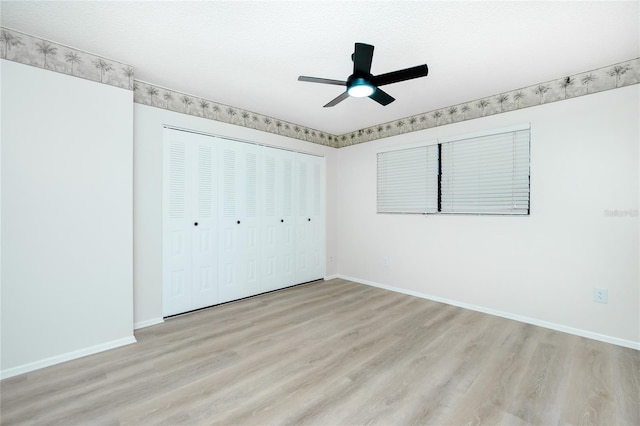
(486,175)
(408,180)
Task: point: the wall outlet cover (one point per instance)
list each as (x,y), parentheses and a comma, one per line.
(600,295)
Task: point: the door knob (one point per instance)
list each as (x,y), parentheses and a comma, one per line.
(309,219)
(238,222)
(195,224)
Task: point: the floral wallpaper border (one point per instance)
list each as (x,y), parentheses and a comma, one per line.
(38,52)
(585,83)
(27,49)
(161,97)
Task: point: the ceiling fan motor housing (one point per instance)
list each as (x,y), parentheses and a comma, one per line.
(360,85)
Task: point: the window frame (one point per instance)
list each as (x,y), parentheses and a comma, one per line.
(439,169)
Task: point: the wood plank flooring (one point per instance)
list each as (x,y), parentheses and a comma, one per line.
(336,353)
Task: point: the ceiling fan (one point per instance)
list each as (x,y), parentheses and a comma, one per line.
(362,83)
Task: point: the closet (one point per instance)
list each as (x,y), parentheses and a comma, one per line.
(239,219)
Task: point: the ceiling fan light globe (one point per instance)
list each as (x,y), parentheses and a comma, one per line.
(360,88)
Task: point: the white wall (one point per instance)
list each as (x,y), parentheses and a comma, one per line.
(66,217)
(148,124)
(541,268)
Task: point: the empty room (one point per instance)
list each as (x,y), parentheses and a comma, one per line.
(319,212)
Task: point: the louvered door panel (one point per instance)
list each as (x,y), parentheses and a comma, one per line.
(302,228)
(251,229)
(205,225)
(287,235)
(177,239)
(271,263)
(278,220)
(316,214)
(230,222)
(240,225)
(190,257)
(310,220)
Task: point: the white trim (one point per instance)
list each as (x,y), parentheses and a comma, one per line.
(331,277)
(446,139)
(533,321)
(148,323)
(232,139)
(487,132)
(58,359)
(418,144)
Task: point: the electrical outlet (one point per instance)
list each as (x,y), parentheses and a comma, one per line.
(600,295)
(386,262)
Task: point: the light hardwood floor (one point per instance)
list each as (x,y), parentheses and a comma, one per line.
(336,353)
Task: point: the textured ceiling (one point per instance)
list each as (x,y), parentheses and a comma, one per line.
(249,54)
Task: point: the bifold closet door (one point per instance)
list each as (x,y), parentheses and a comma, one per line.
(239,219)
(310,218)
(190,254)
(279,222)
(240,222)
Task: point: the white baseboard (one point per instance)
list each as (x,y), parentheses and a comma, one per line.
(58,359)
(331,277)
(148,323)
(533,321)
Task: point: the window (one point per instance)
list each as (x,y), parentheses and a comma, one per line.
(482,174)
(407,182)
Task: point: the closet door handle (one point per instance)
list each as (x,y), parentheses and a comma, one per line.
(309,220)
(195,224)
(238,222)
(281,220)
